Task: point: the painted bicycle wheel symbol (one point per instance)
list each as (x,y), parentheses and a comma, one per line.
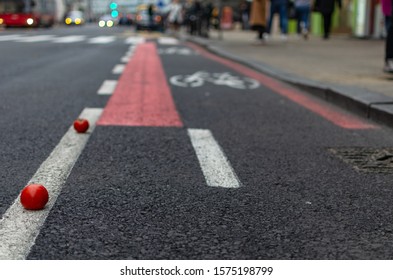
(225,79)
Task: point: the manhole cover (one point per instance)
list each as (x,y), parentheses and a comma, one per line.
(378,160)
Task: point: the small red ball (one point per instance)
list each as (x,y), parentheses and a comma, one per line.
(34,197)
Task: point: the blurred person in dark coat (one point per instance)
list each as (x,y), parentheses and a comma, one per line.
(389,48)
(326,8)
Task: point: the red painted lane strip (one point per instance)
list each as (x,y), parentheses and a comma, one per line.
(343,120)
(142,96)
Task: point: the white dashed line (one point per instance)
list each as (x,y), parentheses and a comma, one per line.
(9,37)
(70,39)
(215,166)
(135,40)
(168,41)
(19,227)
(130,53)
(102,40)
(107,87)
(118,69)
(125,59)
(33,39)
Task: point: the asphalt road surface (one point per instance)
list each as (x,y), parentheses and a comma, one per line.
(191,157)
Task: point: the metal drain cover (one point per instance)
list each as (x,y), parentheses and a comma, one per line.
(379,160)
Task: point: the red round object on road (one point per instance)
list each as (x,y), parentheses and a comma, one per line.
(81,125)
(34,197)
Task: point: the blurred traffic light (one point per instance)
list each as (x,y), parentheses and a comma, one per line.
(113,5)
(114,11)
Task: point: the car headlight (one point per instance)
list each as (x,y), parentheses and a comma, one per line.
(30,21)
(68,20)
(101,23)
(109,23)
(78,21)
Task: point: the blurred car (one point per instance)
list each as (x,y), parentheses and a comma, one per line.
(143,21)
(74,18)
(107,21)
(125,19)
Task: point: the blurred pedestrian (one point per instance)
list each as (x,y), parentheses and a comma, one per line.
(187,14)
(245,14)
(150,12)
(389,46)
(326,8)
(386,10)
(207,16)
(303,9)
(175,15)
(195,16)
(258,18)
(279,7)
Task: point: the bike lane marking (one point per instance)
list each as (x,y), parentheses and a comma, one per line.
(102,40)
(107,87)
(215,166)
(118,69)
(142,96)
(19,227)
(168,41)
(126,58)
(222,79)
(341,119)
(134,40)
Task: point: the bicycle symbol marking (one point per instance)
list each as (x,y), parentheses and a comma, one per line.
(221,79)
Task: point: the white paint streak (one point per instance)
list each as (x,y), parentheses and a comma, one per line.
(168,41)
(214,164)
(102,40)
(125,59)
(118,69)
(135,40)
(70,39)
(107,87)
(9,37)
(33,39)
(19,227)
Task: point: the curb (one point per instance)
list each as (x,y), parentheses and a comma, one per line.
(371,105)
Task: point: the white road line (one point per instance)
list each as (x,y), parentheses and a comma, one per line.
(33,39)
(9,37)
(135,40)
(19,227)
(168,41)
(102,40)
(118,69)
(215,166)
(70,39)
(107,87)
(125,59)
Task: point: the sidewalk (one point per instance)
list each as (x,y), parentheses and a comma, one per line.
(344,70)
